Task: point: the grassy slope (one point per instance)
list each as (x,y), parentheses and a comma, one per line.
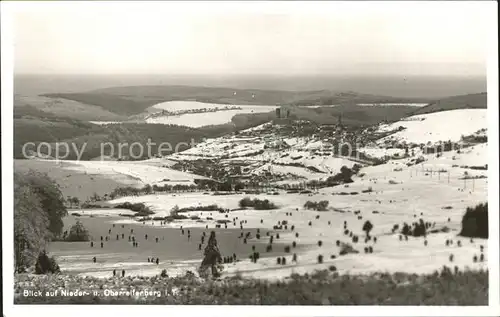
(113,103)
(353,115)
(92,138)
(66,108)
(322,288)
(71,183)
(34,125)
(135,99)
(471,101)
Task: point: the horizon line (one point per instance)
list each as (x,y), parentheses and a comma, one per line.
(254,74)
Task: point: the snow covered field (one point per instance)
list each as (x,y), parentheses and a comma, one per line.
(197,120)
(104,212)
(377,152)
(105,122)
(399,194)
(438,126)
(132,173)
(195,105)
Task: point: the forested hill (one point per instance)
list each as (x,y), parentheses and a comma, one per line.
(135,99)
(471,101)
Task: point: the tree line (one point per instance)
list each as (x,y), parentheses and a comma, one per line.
(39,210)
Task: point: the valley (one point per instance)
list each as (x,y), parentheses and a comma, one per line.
(390,172)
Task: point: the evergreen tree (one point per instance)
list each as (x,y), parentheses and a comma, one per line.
(367,227)
(78,233)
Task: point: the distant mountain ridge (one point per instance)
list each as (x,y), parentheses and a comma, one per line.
(470,101)
(34,125)
(132,100)
(434,87)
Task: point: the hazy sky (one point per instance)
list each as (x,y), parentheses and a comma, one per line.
(252,38)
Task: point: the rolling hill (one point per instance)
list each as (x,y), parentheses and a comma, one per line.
(66,108)
(31,124)
(133,100)
(432,127)
(34,125)
(470,101)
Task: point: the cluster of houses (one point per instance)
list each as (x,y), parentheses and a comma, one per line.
(238,160)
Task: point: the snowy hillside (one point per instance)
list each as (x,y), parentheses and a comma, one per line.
(399,194)
(266,152)
(136,173)
(438,126)
(198,114)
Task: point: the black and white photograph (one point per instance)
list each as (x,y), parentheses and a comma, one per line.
(266,158)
